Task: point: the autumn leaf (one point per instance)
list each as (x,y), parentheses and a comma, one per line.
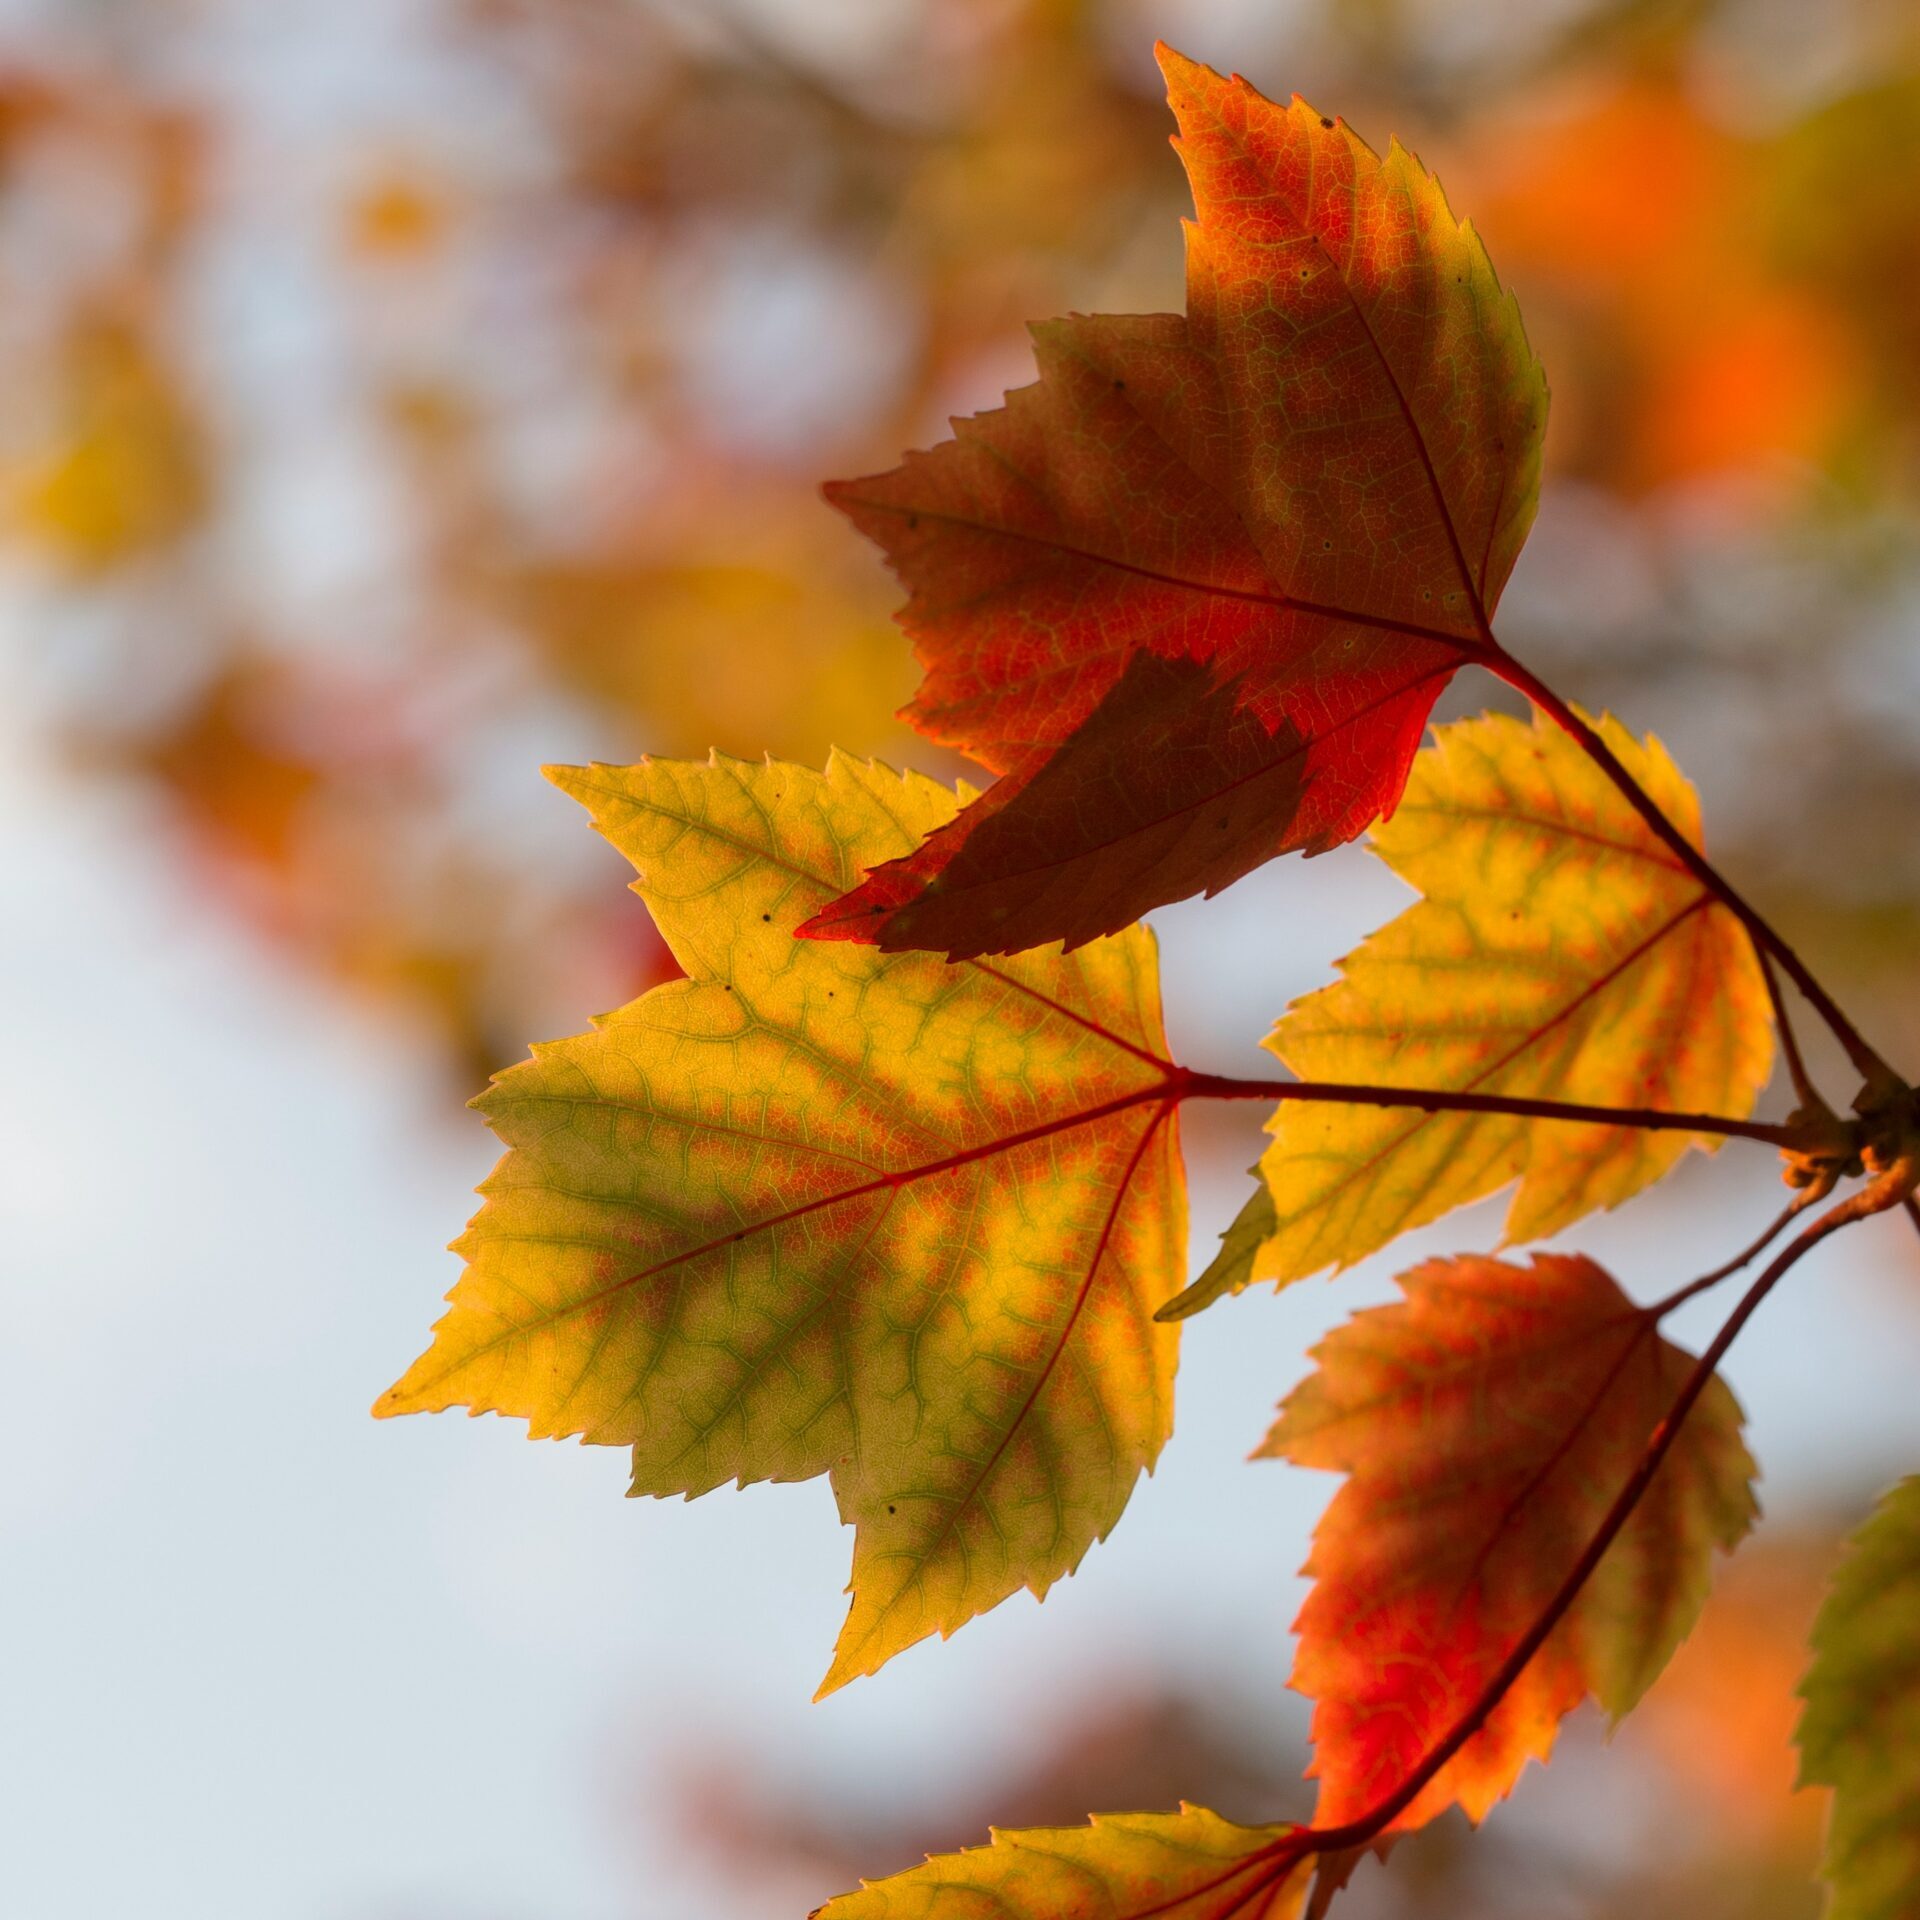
(1860,1734)
(1231,1270)
(1486,1424)
(126,468)
(822,1210)
(1190,1865)
(1560,952)
(1195,592)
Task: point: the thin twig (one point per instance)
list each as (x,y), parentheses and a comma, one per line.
(1185,1085)
(1523,680)
(1794,1207)
(1808,1094)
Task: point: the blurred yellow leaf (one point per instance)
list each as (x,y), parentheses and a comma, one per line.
(398,216)
(126,470)
(1860,1734)
(720,654)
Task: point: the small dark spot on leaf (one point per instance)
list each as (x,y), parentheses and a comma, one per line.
(1118,385)
(766,916)
(1328,124)
(913,520)
(892,1509)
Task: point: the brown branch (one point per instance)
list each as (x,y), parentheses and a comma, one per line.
(1794,1207)
(1868,1063)
(1187,1085)
(1808,1094)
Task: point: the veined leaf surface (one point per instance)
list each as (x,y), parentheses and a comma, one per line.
(1860,1734)
(1560,952)
(1190,1865)
(1195,592)
(1485,1425)
(816,1209)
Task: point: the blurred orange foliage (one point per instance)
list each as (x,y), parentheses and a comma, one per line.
(502,390)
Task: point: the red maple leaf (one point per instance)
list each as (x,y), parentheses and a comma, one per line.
(1195,591)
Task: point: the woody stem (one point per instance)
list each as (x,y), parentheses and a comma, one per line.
(1804,1089)
(1866,1061)
(1187,1085)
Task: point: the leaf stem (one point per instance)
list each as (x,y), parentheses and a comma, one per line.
(1187,1085)
(1808,1094)
(1868,1063)
(1793,1209)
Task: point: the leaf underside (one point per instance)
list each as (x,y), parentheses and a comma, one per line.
(1860,1734)
(1559,952)
(1194,593)
(1190,1865)
(1486,1423)
(819,1209)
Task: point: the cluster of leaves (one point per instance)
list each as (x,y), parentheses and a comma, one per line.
(888,1187)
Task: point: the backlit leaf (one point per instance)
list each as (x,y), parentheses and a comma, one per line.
(1232,1269)
(1860,1734)
(1194,593)
(1190,1865)
(1486,1425)
(822,1210)
(126,468)
(1560,952)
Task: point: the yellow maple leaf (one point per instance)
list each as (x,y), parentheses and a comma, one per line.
(1561,952)
(818,1209)
(1190,1865)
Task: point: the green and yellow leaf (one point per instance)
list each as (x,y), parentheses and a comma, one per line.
(1190,1865)
(1486,1424)
(819,1209)
(1860,1734)
(1559,952)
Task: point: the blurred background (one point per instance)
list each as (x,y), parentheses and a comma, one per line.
(398,394)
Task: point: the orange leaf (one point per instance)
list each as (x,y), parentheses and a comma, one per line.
(1196,591)
(1487,1423)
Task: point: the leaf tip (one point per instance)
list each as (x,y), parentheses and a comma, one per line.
(1178,70)
(392,1403)
(837,1677)
(1185,1304)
